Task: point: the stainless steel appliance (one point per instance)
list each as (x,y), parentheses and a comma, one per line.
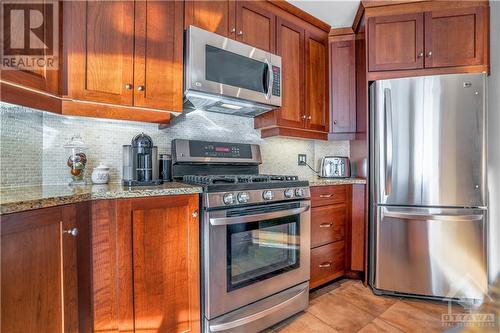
(255,236)
(335,167)
(223,75)
(428,213)
(140,162)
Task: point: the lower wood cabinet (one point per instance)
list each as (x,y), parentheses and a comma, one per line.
(44,284)
(146,264)
(338,232)
(327,263)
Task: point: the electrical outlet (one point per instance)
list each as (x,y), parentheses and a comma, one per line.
(302,159)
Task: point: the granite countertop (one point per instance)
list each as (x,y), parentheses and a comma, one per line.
(19,199)
(317,181)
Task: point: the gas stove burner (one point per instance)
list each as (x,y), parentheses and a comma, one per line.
(237,179)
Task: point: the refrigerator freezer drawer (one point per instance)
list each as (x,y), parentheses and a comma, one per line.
(431,251)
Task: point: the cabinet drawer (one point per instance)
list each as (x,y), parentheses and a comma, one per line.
(327,224)
(327,263)
(328,195)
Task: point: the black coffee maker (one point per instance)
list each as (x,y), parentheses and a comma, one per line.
(140,162)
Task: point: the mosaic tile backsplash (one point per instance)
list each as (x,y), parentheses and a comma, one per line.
(32,152)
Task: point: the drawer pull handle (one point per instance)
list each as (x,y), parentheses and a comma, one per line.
(325,264)
(326,195)
(325,225)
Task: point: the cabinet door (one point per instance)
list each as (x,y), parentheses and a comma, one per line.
(164,235)
(396,42)
(343,78)
(100,48)
(45,78)
(158,67)
(290,46)
(215,16)
(317,81)
(358,228)
(255,25)
(455,37)
(39,272)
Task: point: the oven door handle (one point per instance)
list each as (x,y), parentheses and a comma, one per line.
(256,316)
(257,217)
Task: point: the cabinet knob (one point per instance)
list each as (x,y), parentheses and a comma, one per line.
(240,33)
(335,122)
(128,86)
(325,225)
(420,55)
(140,88)
(325,264)
(233,30)
(303,116)
(195,214)
(72,232)
(429,53)
(309,117)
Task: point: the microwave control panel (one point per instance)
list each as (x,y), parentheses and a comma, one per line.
(276,81)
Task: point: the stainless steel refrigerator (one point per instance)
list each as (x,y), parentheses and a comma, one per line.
(428,214)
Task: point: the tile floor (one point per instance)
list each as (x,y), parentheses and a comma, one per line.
(348,306)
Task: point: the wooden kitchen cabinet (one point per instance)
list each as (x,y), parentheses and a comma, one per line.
(396,42)
(291,48)
(317,87)
(126,53)
(256,24)
(146,264)
(433,36)
(42,282)
(214,16)
(456,37)
(343,85)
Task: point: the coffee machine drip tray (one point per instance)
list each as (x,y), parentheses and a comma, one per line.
(131,183)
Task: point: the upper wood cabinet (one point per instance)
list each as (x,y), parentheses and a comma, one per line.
(146,268)
(437,38)
(456,37)
(45,79)
(343,86)
(291,48)
(215,16)
(40,281)
(250,22)
(126,53)
(317,95)
(396,42)
(255,24)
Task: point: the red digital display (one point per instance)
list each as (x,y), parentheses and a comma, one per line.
(222,149)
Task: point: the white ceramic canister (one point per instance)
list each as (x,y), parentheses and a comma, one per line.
(100,175)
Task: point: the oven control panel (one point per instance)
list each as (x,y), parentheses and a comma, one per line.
(247,197)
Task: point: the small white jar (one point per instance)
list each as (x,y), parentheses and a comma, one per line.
(100,175)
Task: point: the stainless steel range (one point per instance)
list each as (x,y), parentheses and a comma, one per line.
(255,236)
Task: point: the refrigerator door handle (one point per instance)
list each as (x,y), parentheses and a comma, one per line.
(388,140)
(435,217)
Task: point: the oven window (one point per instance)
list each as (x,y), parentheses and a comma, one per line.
(259,250)
(235,70)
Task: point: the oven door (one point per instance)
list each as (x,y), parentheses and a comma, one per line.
(219,65)
(254,252)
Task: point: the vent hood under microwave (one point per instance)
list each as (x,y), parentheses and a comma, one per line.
(226,76)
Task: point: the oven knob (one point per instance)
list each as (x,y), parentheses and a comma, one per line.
(243,197)
(228,198)
(267,195)
(299,192)
(288,193)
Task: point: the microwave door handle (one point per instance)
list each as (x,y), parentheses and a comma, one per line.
(257,217)
(269,79)
(388,140)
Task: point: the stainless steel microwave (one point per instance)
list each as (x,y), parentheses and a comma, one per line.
(223,75)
